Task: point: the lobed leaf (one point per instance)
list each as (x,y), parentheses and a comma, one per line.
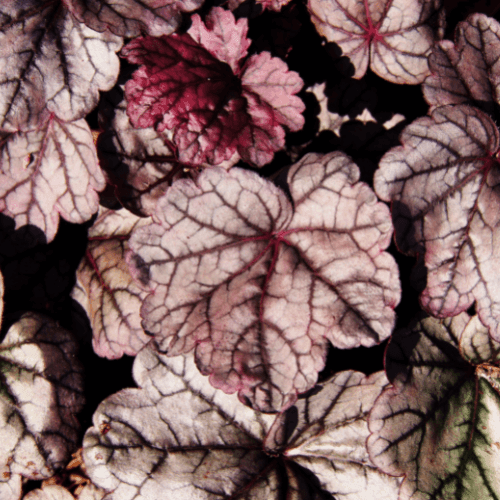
(180,436)
(105,288)
(138,162)
(468,70)
(443,187)
(50,63)
(258,286)
(131,18)
(50,172)
(392,37)
(41,391)
(437,423)
(213,108)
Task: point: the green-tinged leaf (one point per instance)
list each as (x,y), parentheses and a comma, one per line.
(438,424)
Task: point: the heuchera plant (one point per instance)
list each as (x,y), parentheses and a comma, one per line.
(227,204)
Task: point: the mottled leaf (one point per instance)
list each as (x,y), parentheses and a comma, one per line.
(214,105)
(138,162)
(50,172)
(392,37)
(131,18)
(41,392)
(438,423)
(178,436)
(257,285)
(467,71)
(443,185)
(105,288)
(50,62)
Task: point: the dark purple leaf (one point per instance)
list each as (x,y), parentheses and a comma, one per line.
(214,105)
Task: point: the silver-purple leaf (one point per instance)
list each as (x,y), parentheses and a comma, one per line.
(49,492)
(443,186)
(180,437)
(50,63)
(41,392)
(392,37)
(467,71)
(438,422)
(259,286)
(50,172)
(131,18)
(105,288)
(138,162)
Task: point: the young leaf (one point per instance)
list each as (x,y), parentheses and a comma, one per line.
(132,18)
(443,187)
(467,71)
(106,290)
(41,392)
(50,62)
(438,423)
(180,437)
(198,88)
(50,172)
(392,37)
(258,286)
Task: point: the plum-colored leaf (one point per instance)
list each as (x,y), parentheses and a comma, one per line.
(467,71)
(392,37)
(438,423)
(180,437)
(105,288)
(213,107)
(41,392)
(50,172)
(443,185)
(50,62)
(258,285)
(131,18)
(138,162)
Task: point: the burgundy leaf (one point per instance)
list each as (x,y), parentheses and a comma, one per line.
(50,172)
(213,108)
(178,437)
(50,62)
(259,286)
(443,185)
(392,37)
(131,18)
(105,287)
(467,71)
